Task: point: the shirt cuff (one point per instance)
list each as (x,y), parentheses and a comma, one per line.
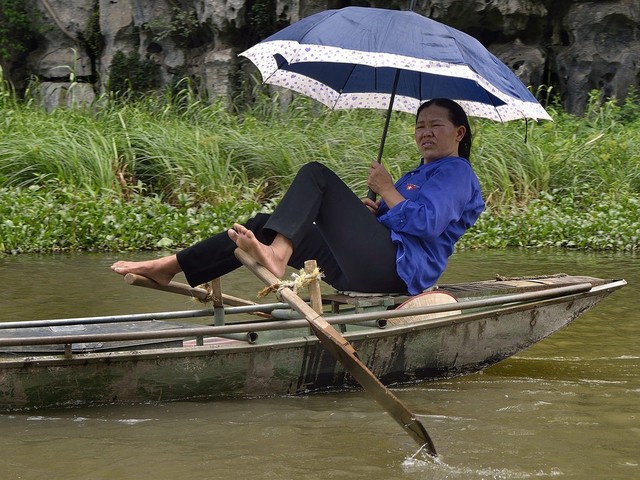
(395,218)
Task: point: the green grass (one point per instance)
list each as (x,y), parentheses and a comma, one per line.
(175,163)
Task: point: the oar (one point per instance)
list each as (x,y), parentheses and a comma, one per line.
(183,289)
(342,350)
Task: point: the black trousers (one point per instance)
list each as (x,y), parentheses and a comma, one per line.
(326,222)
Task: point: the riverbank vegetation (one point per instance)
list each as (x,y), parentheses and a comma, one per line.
(163,171)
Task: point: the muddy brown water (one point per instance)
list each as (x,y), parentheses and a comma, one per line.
(567,408)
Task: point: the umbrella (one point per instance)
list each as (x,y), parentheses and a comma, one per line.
(359,57)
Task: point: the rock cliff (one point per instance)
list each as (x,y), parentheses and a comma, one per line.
(78,46)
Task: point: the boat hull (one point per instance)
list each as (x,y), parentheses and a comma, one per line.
(427,350)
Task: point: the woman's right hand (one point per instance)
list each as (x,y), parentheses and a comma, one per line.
(372,205)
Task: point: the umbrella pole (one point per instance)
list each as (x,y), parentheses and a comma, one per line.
(371,193)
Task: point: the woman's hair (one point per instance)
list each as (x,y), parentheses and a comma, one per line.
(458,117)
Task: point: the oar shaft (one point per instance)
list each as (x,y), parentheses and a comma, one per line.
(173,287)
(183,289)
(344,352)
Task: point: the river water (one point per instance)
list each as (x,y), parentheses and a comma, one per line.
(567,408)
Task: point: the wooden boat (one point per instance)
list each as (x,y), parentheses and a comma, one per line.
(163,357)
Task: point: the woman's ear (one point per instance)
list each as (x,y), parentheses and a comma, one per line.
(462,130)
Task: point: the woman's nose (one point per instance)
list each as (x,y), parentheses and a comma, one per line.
(427,132)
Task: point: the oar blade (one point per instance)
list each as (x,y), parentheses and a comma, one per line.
(348,357)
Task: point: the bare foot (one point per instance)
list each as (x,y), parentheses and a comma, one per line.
(274,257)
(161,270)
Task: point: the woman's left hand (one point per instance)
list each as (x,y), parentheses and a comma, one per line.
(380,181)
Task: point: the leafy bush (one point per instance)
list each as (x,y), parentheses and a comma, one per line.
(92,36)
(131,75)
(608,221)
(55,218)
(16,31)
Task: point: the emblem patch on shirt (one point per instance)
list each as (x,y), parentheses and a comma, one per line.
(411,186)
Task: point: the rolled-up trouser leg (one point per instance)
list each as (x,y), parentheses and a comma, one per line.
(213,257)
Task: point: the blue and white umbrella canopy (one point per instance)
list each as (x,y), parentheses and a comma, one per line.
(348,58)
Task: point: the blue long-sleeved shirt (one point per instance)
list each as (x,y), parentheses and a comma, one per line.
(443,199)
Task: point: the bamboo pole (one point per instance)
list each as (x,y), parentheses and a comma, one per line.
(184,289)
(502,300)
(314,287)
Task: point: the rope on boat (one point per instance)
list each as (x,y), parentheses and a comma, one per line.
(299,281)
(209,297)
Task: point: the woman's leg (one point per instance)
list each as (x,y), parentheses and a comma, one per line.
(162,270)
(214,257)
(208,259)
(326,221)
(323,219)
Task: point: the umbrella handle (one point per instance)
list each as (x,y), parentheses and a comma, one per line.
(372,195)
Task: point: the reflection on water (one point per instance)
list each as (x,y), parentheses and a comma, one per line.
(566,408)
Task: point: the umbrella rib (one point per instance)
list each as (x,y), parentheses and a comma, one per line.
(346,80)
(330,14)
(495,107)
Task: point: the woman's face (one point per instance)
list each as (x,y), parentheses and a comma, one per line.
(436,136)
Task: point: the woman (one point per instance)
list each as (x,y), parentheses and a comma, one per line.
(399,244)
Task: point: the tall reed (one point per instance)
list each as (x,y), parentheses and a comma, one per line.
(179,144)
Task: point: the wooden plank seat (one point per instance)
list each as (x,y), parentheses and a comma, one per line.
(363,301)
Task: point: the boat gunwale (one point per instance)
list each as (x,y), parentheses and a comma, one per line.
(244,327)
(291,324)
